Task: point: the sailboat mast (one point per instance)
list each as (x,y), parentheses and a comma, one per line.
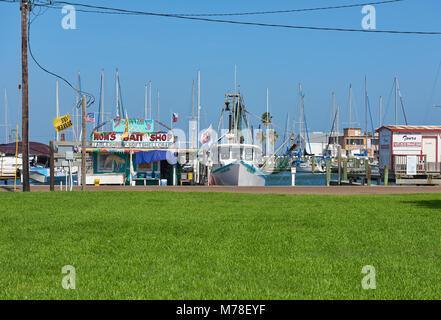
(350,105)
(6,116)
(102,96)
(300,109)
(192,101)
(365,106)
(366,112)
(396,92)
(199,106)
(117,94)
(304,121)
(77,112)
(333,114)
(338,122)
(381,110)
(159,111)
(235,78)
(150,100)
(57,106)
(145,101)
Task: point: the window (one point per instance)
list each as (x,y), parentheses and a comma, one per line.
(224,153)
(105,163)
(235,153)
(248,154)
(145,167)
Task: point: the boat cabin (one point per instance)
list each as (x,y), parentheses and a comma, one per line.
(226,153)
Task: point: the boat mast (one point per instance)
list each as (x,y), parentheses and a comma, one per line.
(150,99)
(381,109)
(57,106)
(300,110)
(192,101)
(396,91)
(267,124)
(366,112)
(6,117)
(77,113)
(350,105)
(145,101)
(235,83)
(304,122)
(199,106)
(102,96)
(117,94)
(338,122)
(333,114)
(159,111)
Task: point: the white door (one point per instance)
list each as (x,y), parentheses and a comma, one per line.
(429,149)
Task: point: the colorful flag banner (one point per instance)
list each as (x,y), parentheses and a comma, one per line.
(90,117)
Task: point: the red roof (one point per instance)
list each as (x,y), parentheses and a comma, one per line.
(411,128)
(35,148)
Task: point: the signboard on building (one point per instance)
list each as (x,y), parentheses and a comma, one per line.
(405,141)
(62,123)
(134,140)
(135,125)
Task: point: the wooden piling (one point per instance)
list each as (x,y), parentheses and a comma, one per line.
(328,173)
(368,172)
(386,175)
(345,169)
(52,165)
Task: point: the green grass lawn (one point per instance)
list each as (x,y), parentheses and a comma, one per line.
(165,245)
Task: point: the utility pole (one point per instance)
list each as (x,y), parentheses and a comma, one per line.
(83,147)
(25,94)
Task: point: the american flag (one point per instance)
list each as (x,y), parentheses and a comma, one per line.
(90,117)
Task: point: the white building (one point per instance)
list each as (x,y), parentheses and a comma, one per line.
(399,142)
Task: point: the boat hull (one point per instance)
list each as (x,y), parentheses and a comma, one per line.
(238,174)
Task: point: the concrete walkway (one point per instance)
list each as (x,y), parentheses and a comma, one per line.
(338,190)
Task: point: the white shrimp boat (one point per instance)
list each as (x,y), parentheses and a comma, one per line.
(237,165)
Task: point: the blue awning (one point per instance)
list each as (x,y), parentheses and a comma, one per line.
(156,155)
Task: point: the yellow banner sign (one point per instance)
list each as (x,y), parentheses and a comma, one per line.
(62,123)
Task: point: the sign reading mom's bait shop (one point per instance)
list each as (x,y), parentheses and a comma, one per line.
(134,140)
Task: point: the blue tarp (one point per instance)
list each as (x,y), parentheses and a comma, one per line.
(156,155)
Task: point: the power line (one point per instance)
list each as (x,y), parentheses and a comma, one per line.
(146,13)
(109,10)
(268,12)
(90,99)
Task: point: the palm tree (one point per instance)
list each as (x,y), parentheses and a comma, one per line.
(266,119)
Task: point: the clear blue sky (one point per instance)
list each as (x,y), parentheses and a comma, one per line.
(169,52)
